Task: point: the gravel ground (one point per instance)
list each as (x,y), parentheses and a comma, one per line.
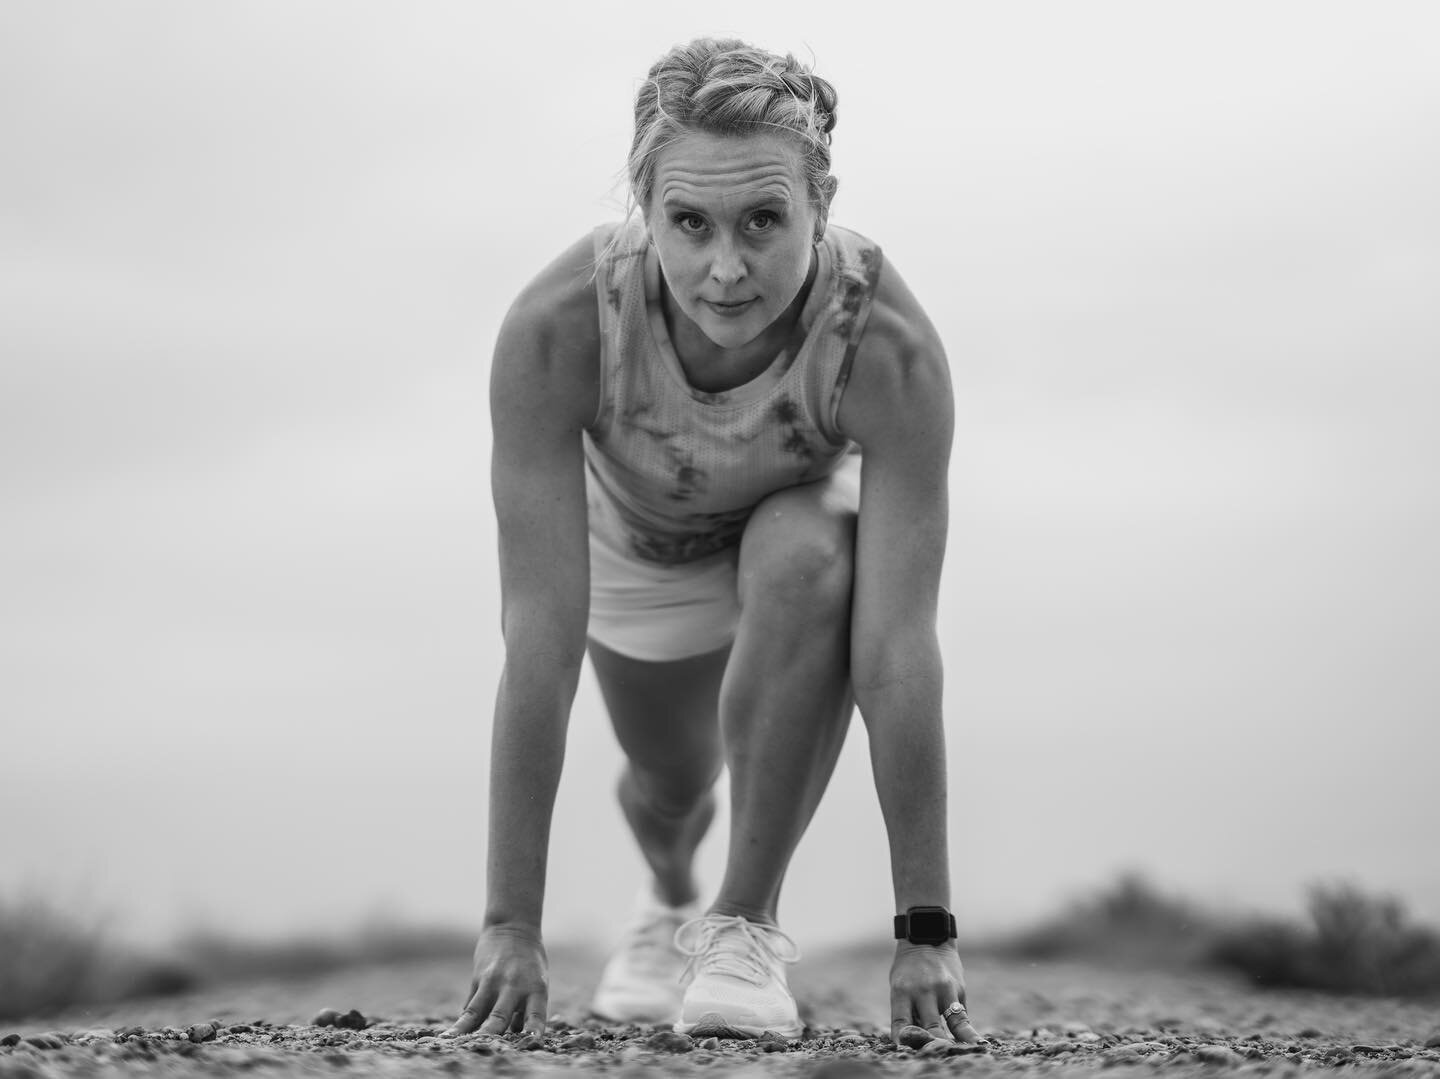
(1040,1018)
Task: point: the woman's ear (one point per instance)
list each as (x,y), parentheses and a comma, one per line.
(828,187)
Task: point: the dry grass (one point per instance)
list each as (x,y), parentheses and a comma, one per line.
(52,959)
(1128,923)
(1354,941)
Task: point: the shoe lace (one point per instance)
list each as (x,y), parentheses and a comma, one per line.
(734,946)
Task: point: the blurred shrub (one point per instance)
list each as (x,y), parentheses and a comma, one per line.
(217,956)
(1129,923)
(51,959)
(1356,943)
(48,959)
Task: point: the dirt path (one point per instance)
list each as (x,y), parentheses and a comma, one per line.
(1041,1019)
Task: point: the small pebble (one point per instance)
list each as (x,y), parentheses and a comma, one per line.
(352,1020)
(936,1047)
(770,1042)
(710,1044)
(95,1034)
(325,1017)
(667,1041)
(915,1037)
(1217,1054)
(45,1041)
(530,1043)
(9,1040)
(583,1040)
(1311,1032)
(201,1032)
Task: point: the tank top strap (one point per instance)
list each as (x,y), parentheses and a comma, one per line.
(620,297)
(856,264)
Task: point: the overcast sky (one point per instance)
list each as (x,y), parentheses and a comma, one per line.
(1185,259)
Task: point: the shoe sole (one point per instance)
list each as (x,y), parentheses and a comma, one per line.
(715,1025)
(619,1015)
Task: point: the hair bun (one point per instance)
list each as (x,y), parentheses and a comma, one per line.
(725,86)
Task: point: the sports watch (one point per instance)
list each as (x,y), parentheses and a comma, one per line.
(925,925)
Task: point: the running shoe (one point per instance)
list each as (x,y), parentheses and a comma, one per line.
(735,980)
(641,980)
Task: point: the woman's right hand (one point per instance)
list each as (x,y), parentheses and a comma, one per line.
(510,987)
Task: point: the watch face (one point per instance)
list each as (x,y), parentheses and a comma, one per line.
(929,926)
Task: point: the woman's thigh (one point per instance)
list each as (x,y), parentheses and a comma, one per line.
(665,715)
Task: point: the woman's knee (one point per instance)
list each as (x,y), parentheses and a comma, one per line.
(668,794)
(798,547)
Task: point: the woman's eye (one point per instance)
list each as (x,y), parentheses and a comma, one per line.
(690,222)
(764,220)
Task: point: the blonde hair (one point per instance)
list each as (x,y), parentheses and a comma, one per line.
(723,86)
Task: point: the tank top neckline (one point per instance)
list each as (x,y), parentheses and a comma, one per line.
(767,379)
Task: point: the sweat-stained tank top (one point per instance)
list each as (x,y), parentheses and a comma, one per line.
(673,472)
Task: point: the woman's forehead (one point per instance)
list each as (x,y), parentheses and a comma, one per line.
(698,165)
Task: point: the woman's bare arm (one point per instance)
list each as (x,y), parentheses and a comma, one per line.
(543,392)
(899,407)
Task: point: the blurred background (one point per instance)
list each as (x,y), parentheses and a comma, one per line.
(253,257)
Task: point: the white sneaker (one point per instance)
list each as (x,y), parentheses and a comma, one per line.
(641,981)
(735,980)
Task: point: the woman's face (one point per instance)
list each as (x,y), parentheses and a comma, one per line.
(734,227)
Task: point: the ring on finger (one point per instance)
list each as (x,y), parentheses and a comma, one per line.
(955,1009)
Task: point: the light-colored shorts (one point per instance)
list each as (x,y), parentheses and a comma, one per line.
(657,613)
(654,612)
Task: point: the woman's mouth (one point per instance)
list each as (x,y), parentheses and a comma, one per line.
(731,309)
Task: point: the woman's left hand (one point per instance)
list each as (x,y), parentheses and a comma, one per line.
(925,981)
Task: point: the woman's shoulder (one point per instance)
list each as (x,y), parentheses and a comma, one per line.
(899,325)
(900,358)
(560,300)
(550,338)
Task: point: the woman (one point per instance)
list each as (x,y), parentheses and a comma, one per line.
(721,439)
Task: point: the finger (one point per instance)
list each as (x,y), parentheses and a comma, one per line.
(927,1015)
(472,1014)
(500,1017)
(965,1032)
(900,1016)
(960,1027)
(535,1013)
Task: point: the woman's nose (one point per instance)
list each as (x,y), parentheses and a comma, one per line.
(726,265)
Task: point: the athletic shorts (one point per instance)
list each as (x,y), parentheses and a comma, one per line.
(652,612)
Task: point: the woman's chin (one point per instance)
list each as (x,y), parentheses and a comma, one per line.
(728,333)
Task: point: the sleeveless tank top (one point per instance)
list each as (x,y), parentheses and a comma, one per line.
(673,472)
